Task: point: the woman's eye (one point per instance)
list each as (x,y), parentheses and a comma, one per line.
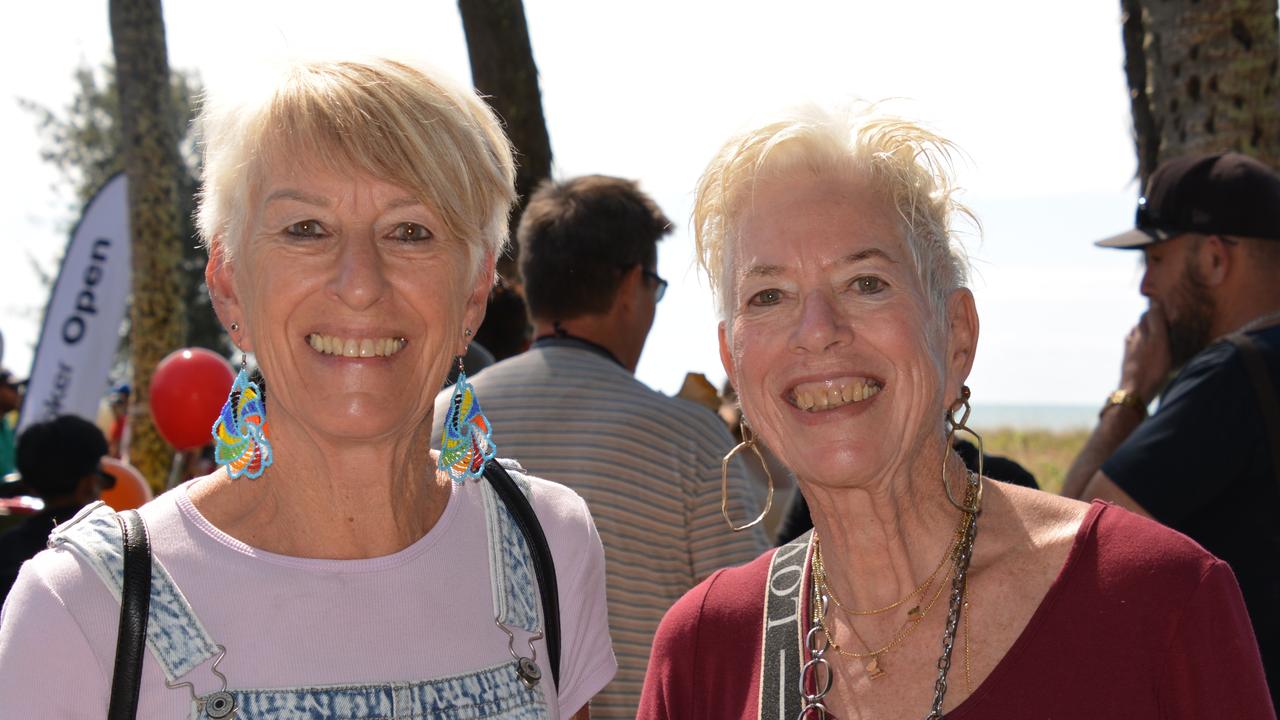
(305,229)
(411,232)
(869,284)
(766,297)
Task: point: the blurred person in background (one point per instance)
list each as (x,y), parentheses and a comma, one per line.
(1207,462)
(648,465)
(60,462)
(10,401)
(118,434)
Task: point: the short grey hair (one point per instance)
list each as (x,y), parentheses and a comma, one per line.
(909,164)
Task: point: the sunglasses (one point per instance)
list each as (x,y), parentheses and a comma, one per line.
(661,284)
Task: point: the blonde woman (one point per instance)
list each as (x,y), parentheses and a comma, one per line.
(336,567)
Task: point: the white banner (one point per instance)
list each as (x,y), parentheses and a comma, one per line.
(82,321)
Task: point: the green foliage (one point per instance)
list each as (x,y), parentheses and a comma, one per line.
(83,142)
(1047,454)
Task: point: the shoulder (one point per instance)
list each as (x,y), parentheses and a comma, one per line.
(1024,520)
(1217,365)
(1056,539)
(557,506)
(1129,547)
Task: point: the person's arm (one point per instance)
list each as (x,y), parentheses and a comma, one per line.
(1144,369)
(587,663)
(1102,487)
(41,643)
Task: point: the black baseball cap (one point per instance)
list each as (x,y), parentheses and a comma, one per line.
(1222,194)
(52,456)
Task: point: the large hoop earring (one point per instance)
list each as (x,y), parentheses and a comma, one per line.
(953,425)
(748,443)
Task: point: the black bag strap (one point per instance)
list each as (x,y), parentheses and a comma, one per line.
(543,564)
(1268,401)
(135,604)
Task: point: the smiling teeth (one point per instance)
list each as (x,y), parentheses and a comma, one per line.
(831,394)
(353,347)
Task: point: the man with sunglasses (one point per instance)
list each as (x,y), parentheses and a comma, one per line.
(59,461)
(571,409)
(1207,462)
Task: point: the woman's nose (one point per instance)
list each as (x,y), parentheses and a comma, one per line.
(361,279)
(822,325)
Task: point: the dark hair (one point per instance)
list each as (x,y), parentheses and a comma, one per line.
(578,237)
(505,330)
(53,456)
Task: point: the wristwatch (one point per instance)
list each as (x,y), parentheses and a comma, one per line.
(1126,398)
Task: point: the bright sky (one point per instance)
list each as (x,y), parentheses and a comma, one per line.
(1033,92)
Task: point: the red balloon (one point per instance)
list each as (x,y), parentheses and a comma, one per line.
(188,390)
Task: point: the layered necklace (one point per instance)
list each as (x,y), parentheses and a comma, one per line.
(956,561)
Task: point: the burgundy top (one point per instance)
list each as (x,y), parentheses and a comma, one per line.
(1140,623)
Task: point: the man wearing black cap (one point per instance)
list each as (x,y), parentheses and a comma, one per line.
(1207,463)
(60,461)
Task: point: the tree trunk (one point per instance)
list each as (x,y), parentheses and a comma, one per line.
(1203,78)
(152,165)
(502,68)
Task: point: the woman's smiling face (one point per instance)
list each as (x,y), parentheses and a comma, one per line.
(353,296)
(830,339)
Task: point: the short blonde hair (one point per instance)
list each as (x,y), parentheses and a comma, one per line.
(386,118)
(910,165)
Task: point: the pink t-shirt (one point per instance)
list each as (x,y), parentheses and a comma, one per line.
(422,613)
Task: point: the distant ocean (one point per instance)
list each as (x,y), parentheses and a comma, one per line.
(1034,417)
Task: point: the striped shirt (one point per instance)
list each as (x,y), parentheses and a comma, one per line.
(648,466)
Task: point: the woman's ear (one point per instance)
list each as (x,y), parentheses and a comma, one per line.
(962,337)
(478,299)
(726,354)
(219,278)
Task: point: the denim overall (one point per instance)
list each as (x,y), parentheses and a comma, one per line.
(179,642)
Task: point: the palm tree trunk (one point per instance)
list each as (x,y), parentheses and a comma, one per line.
(1207,75)
(152,165)
(502,69)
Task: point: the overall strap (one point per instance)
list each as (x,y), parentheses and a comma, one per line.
(175,636)
(783,631)
(1268,401)
(131,642)
(520,557)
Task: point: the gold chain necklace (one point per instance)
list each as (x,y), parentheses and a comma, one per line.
(918,592)
(875,668)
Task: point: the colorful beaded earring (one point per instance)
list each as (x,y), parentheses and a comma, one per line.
(240,432)
(467,442)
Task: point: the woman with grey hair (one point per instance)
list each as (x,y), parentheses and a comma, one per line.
(923,589)
(336,566)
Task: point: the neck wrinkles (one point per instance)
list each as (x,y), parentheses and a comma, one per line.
(879,543)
